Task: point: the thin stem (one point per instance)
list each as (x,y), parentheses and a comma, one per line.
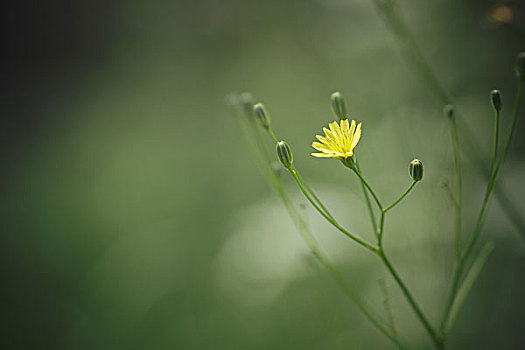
(428,327)
(457,166)
(483,211)
(378,202)
(276,183)
(508,139)
(318,201)
(368,203)
(359,240)
(495,146)
(315,198)
(467,285)
(417,62)
(272,135)
(349,289)
(387,305)
(381,228)
(363,306)
(402,196)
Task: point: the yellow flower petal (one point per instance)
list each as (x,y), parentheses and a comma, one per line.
(339,141)
(323,155)
(357,137)
(320,147)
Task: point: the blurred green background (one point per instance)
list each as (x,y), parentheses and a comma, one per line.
(133,217)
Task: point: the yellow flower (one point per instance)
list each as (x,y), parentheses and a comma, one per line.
(339,142)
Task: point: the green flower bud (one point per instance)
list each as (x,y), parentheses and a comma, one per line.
(284,153)
(415,169)
(262,115)
(338,105)
(520,66)
(448,111)
(495,97)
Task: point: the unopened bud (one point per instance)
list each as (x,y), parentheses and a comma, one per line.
(415,169)
(495,97)
(284,153)
(520,66)
(262,115)
(448,111)
(338,105)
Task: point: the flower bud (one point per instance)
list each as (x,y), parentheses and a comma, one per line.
(284,153)
(338,105)
(495,97)
(262,115)
(448,111)
(415,169)
(520,66)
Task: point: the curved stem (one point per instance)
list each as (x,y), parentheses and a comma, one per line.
(368,203)
(495,145)
(272,135)
(428,327)
(467,285)
(363,306)
(378,202)
(276,183)
(318,201)
(402,196)
(417,62)
(510,133)
(358,239)
(483,212)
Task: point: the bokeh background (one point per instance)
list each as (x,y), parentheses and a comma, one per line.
(133,217)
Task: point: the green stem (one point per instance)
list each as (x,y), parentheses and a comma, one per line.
(467,285)
(316,198)
(483,212)
(378,202)
(356,238)
(508,139)
(402,196)
(495,145)
(363,306)
(276,183)
(428,327)
(272,135)
(418,63)
(368,203)
(318,201)
(458,200)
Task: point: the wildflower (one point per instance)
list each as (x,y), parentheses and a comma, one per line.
(339,142)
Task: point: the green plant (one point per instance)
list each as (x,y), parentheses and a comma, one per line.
(339,143)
